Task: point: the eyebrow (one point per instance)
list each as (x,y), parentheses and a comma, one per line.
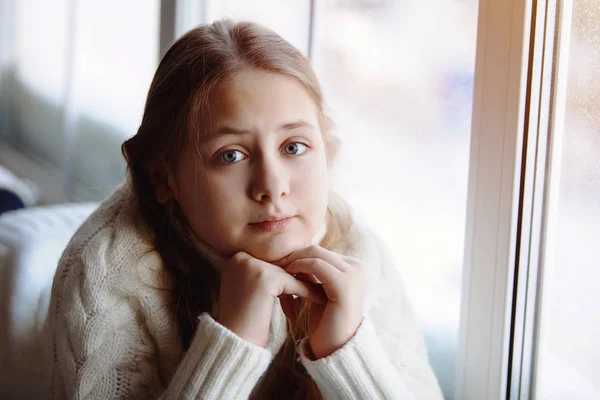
(226,130)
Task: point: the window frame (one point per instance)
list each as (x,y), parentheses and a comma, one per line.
(499,353)
(540,183)
(556,113)
(494,198)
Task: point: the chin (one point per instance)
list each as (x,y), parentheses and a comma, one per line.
(276,248)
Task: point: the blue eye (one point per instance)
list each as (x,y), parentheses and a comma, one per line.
(295,148)
(231,157)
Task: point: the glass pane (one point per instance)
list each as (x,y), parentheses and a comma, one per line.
(115,56)
(37,82)
(290,19)
(569,350)
(398,78)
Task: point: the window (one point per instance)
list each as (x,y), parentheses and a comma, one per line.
(568,361)
(398,79)
(38,78)
(79,75)
(111,69)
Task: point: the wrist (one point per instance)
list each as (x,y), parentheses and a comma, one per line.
(246,332)
(324,347)
(250,323)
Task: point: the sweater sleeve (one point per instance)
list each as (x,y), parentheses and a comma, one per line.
(387,357)
(104,345)
(218,365)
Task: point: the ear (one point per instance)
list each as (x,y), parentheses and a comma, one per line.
(162,184)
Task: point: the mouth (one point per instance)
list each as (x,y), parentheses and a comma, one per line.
(272,223)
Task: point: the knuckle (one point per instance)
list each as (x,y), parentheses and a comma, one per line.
(261,276)
(352,261)
(245,265)
(239,257)
(248,264)
(316,262)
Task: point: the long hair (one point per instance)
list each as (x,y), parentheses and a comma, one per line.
(176,109)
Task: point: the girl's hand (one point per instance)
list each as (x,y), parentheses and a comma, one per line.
(343,278)
(248,289)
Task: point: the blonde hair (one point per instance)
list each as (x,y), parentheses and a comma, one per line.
(176,108)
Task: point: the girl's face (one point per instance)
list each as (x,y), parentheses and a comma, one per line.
(258,180)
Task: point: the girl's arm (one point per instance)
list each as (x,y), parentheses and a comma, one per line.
(112,338)
(387,357)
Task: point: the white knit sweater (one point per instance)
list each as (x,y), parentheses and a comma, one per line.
(113,334)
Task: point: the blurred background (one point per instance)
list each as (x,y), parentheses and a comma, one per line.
(398,81)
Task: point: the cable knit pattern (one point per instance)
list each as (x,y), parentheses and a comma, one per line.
(359,370)
(113,333)
(216,350)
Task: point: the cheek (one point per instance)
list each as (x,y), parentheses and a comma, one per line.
(312,185)
(208,201)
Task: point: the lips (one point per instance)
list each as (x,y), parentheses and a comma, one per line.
(272,223)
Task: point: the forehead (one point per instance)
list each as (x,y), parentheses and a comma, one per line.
(260,100)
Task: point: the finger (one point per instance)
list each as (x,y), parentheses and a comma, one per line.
(241,256)
(331,277)
(288,305)
(307,290)
(350,260)
(315,314)
(307,278)
(328,256)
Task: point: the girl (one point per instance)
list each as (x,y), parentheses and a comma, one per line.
(224,268)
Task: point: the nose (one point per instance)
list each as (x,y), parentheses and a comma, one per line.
(270,180)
